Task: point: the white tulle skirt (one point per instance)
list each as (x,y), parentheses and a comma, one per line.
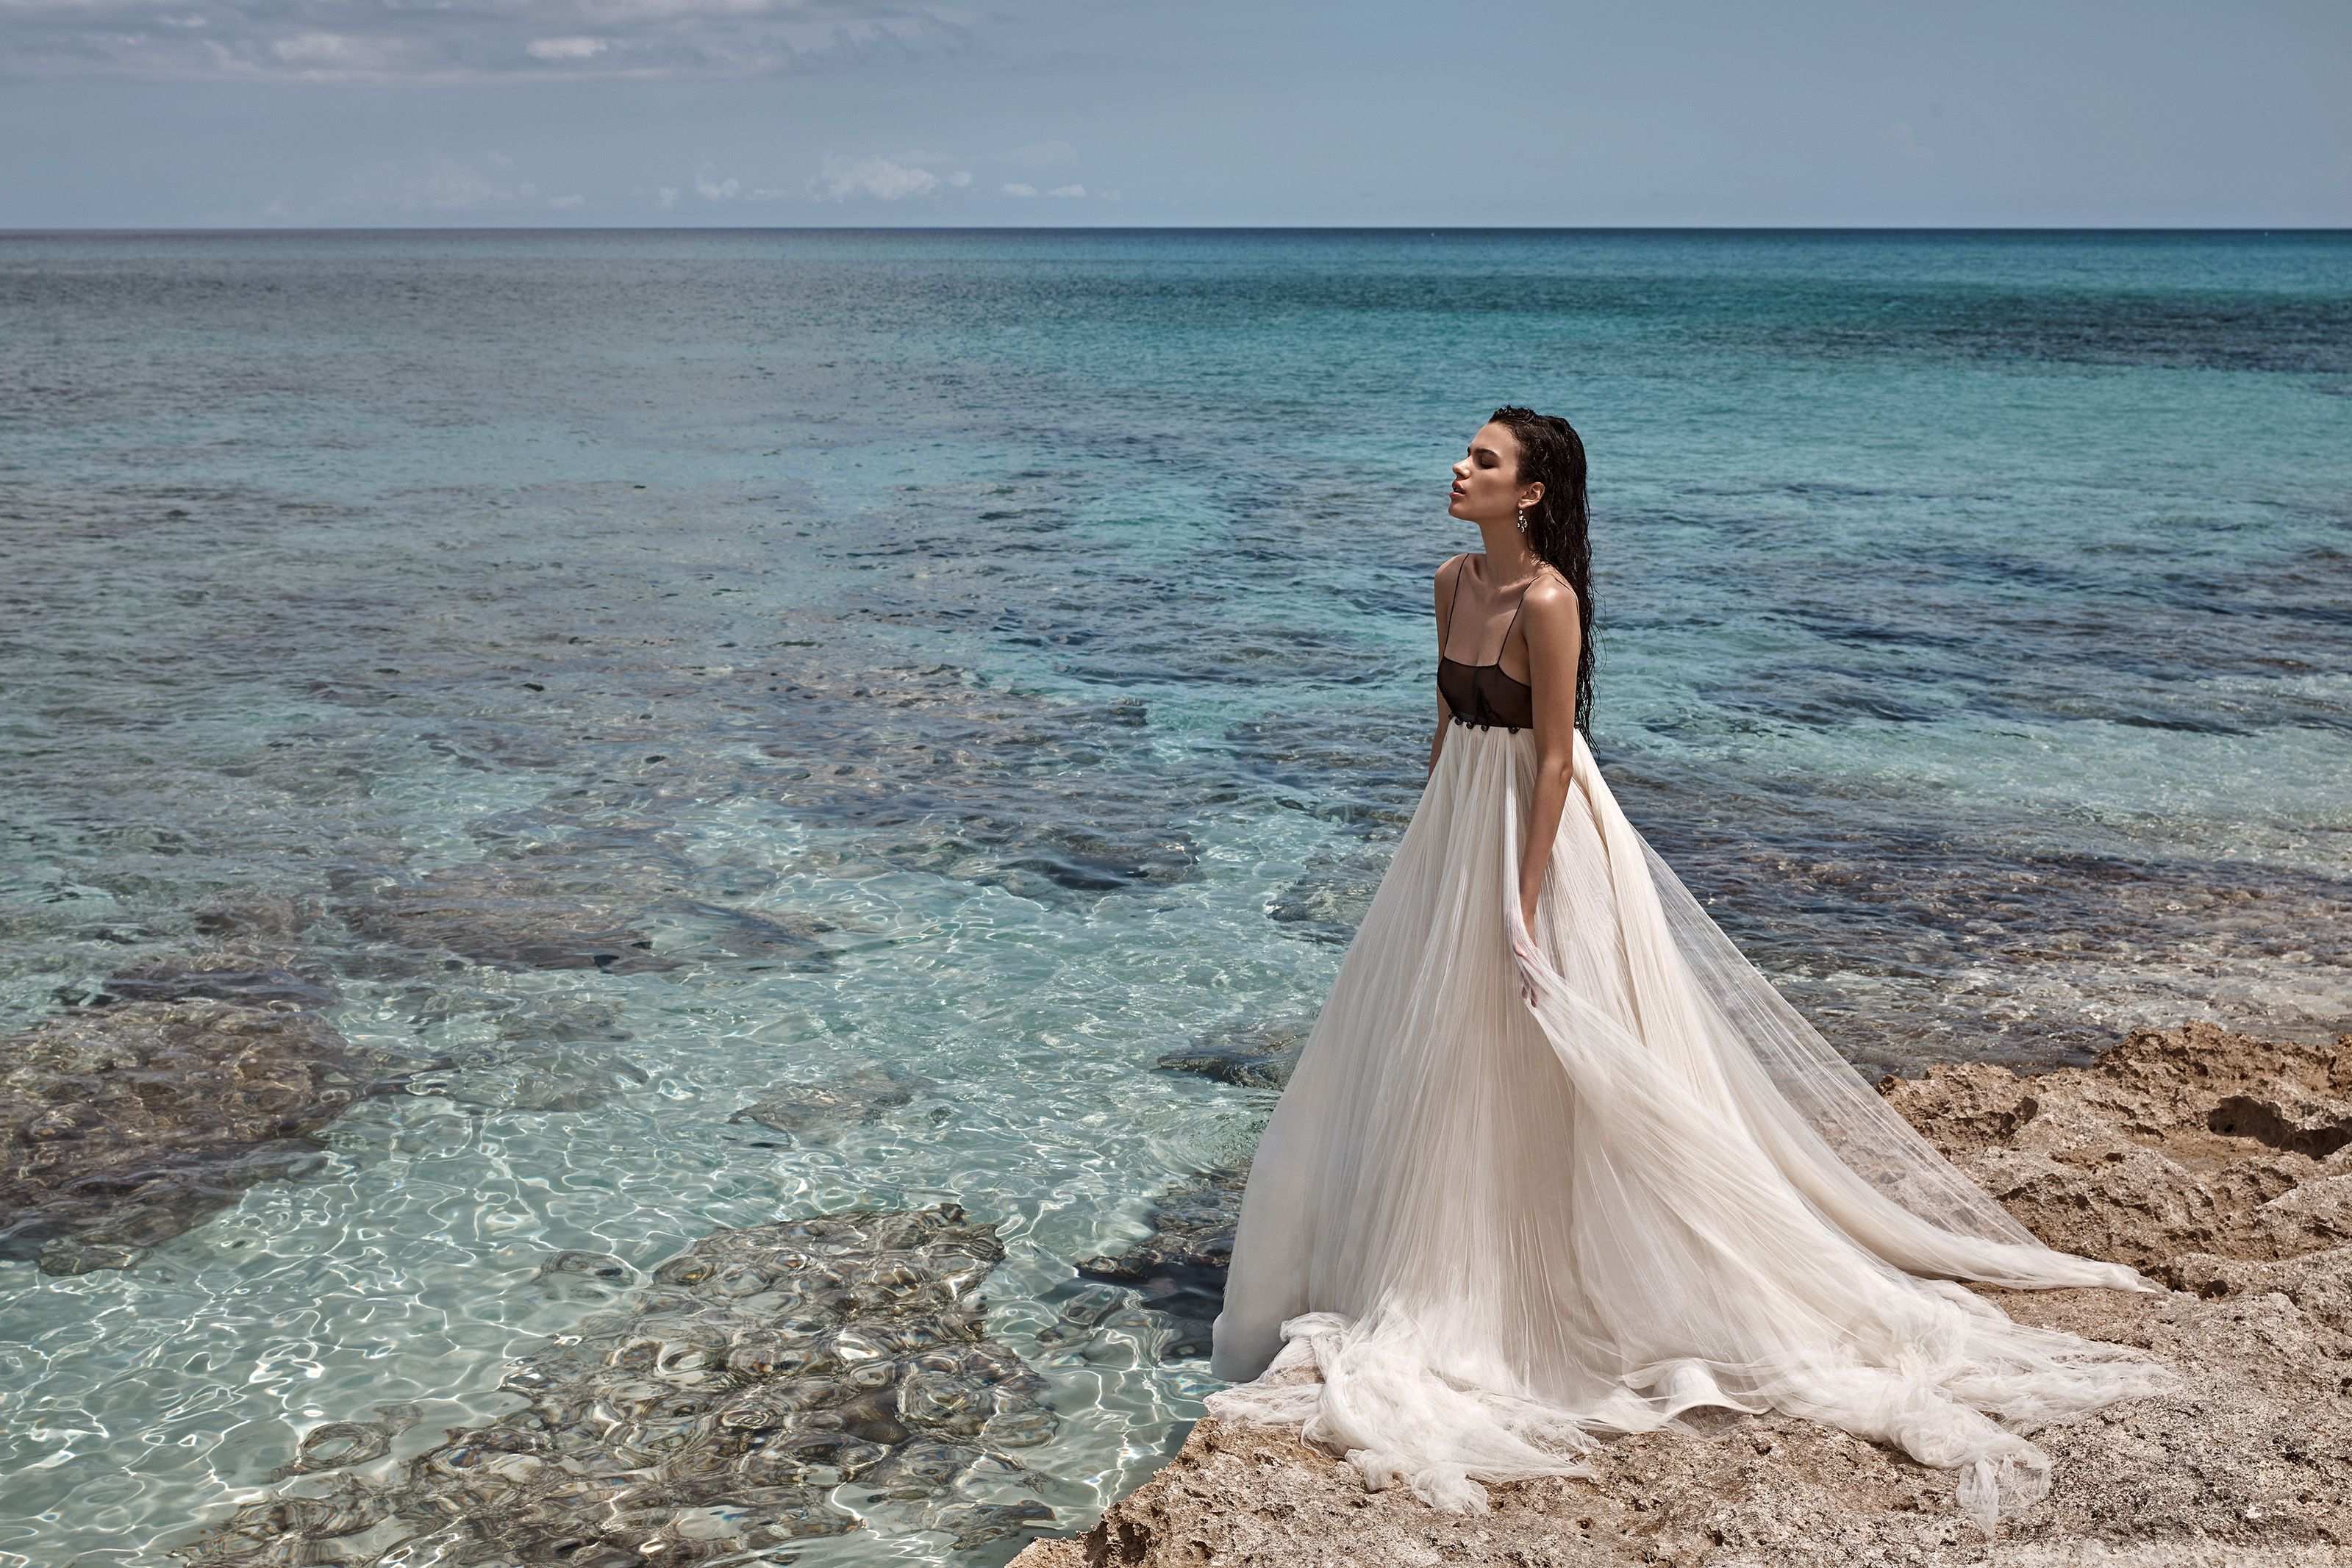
(1525,1187)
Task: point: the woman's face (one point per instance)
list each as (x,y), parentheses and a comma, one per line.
(1487,487)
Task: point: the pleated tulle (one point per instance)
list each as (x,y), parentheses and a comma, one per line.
(1526,1186)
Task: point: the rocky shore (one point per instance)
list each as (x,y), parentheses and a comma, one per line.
(2219,1163)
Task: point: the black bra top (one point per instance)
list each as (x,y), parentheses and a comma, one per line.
(1481,693)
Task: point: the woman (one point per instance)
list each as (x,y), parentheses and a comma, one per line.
(1557,1160)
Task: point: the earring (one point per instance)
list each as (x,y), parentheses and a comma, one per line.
(1523,517)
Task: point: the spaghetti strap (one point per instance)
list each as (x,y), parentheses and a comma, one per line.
(1522,604)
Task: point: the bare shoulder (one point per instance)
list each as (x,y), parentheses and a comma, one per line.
(1551,598)
(1448,570)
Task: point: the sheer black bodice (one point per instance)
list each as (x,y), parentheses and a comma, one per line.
(1481,693)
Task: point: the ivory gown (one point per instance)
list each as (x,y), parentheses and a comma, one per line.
(1479,1228)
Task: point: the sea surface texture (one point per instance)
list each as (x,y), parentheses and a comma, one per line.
(701,730)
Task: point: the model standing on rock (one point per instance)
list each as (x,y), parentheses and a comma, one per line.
(1557,1160)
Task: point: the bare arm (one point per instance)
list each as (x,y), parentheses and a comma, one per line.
(1444,591)
(1555,643)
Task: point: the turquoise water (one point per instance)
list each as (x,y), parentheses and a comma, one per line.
(1005,657)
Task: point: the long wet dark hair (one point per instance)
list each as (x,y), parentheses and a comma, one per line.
(1559,526)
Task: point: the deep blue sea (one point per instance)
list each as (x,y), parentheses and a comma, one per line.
(953,670)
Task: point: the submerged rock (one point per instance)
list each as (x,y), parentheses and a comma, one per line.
(1034,850)
(127,1125)
(599,1267)
(529,1078)
(1107,1325)
(1328,901)
(2211,1160)
(977,784)
(535,1016)
(1361,775)
(546,912)
(493,915)
(1179,1271)
(526,1052)
(861,1094)
(709,1418)
(1255,1055)
(338,1444)
(558,1021)
(791,940)
(273,918)
(225,977)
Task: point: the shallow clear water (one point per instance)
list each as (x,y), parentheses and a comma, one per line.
(1006,657)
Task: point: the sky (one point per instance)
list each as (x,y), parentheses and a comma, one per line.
(2066,113)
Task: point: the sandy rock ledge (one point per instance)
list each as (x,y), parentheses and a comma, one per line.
(2219,1163)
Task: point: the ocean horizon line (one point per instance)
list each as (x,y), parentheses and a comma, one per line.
(1740,230)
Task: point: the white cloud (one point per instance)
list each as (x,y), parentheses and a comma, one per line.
(566,201)
(565,48)
(881,180)
(668,198)
(461,41)
(711,190)
(314,48)
(1073,191)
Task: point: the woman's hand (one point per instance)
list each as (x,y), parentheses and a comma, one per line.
(1524,955)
